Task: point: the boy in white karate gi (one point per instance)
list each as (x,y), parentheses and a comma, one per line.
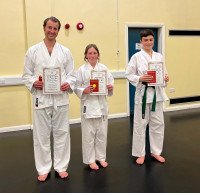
(150,112)
(50,111)
(94,110)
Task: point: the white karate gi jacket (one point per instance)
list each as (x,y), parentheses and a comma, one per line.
(37,58)
(138,66)
(92,106)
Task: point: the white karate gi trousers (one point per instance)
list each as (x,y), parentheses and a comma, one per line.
(94,139)
(156,129)
(47,120)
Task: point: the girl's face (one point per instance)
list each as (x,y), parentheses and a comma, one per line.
(92,56)
(147,43)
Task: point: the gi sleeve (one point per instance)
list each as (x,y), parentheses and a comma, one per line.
(110,81)
(28,76)
(70,72)
(79,87)
(165,70)
(131,71)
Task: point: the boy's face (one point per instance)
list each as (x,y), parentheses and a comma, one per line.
(147,42)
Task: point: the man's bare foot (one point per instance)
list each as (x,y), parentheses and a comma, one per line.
(158,158)
(94,166)
(140,160)
(43,177)
(63,174)
(104,164)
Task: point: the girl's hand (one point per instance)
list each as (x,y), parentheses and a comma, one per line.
(88,90)
(110,87)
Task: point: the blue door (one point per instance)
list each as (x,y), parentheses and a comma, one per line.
(133,40)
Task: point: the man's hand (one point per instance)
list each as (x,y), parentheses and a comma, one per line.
(65,87)
(38,85)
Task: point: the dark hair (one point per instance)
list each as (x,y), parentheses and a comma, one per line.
(54,19)
(88,47)
(145,33)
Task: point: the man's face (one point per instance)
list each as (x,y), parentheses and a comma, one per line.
(147,42)
(51,30)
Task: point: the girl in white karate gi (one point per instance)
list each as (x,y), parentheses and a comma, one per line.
(94,110)
(136,73)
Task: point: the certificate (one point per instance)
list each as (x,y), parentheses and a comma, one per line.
(99,82)
(156,69)
(52,80)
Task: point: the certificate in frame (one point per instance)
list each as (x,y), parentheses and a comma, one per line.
(52,80)
(101,82)
(157,70)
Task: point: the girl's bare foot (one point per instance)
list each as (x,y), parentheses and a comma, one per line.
(158,158)
(140,160)
(94,166)
(63,174)
(104,164)
(43,177)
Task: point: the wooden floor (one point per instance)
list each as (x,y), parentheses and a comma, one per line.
(180,173)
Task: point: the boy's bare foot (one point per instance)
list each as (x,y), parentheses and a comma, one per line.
(43,177)
(63,174)
(104,164)
(140,160)
(158,158)
(94,166)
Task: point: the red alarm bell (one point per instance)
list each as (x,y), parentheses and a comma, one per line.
(67,26)
(79,26)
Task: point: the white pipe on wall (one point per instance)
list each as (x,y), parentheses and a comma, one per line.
(10,80)
(17,80)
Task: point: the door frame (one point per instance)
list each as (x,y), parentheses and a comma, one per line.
(161,46)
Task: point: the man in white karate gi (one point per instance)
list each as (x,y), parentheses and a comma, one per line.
(151,111)
(50,111)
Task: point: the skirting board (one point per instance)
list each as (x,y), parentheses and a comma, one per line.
(15,128)
(72,121)
(112,116)
(182,107)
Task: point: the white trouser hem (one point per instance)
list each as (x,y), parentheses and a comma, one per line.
(44,172)
(61,170)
